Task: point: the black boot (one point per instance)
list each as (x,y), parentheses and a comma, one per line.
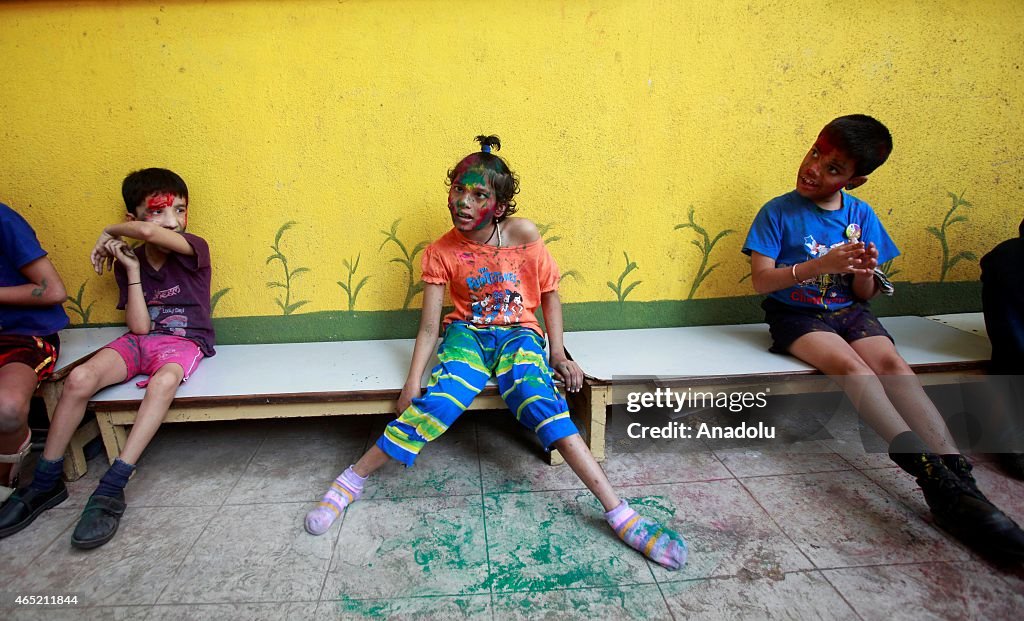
(962,469)
(958,507)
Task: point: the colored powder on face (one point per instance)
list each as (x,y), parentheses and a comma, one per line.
(160,201)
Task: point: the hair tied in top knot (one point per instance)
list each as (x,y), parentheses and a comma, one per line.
(489,142)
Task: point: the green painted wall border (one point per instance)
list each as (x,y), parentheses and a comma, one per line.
(910,299)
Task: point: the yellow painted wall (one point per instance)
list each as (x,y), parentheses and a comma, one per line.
(618,115)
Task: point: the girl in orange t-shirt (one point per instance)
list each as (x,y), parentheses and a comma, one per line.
(498,272)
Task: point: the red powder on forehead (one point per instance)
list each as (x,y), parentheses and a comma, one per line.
(824,144)
(160,201)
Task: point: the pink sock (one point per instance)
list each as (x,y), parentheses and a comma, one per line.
(661,545)
(345,490)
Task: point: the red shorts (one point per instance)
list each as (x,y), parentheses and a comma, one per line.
(38,352)
(145,354)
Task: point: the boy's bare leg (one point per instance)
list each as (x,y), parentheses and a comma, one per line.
(906,393)
(17,383)
(833,356)
(159,393)
(103,369)
(650,538)
(949,489)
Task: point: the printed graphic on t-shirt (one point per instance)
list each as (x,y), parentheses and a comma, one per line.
(833,289)
(169,319)
(491,301)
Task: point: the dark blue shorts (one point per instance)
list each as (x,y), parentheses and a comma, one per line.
(788,323)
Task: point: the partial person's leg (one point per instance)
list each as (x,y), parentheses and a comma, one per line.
(527,385)
(17,384)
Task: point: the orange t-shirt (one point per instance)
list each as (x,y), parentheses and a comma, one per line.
(491,286)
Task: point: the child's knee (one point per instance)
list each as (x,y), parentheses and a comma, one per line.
(82,382)
(13,412)
(166,379)
(892,364)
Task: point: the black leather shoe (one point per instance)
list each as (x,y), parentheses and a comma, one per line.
(25,505)
(99,521)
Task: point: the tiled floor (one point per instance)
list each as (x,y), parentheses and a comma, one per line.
(806,526)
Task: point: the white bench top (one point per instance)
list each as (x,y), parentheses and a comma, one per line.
(743,349)
(381,366)
(292,369)
(968,322)
(77,343)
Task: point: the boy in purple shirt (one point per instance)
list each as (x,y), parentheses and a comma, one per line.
(165,293)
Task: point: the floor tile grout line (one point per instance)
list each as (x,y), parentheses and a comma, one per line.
(664,598)
(776,522)
(483,517)
(841,595)
(213,517)
(341,522)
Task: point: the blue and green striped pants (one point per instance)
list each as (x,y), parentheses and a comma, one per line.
(469,355)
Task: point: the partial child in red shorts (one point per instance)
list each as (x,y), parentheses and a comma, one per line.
(31,294)
(165,292)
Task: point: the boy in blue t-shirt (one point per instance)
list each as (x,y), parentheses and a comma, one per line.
(815,251)
(31,294)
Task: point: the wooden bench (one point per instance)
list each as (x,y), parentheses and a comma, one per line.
(366,377)
(734,357)
(76,346)
(284,381)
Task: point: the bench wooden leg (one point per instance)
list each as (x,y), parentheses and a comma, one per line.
(114,436)
(74,457)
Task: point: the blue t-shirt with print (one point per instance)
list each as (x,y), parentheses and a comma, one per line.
(18,248)
(792,229)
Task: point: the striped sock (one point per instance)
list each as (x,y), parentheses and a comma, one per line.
(661,545)
(345,490)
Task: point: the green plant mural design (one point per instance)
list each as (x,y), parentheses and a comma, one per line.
(748,274)
(286,305)
(706,245)
(75,305)
(941,235)
(216,298)
(544,229)
(405,260)
(887,268)
(350,291)
(621,293)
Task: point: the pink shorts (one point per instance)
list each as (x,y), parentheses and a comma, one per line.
(145,354)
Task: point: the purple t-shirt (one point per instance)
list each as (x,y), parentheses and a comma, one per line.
(178,295)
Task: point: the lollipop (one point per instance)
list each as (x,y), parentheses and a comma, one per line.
(852,232)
